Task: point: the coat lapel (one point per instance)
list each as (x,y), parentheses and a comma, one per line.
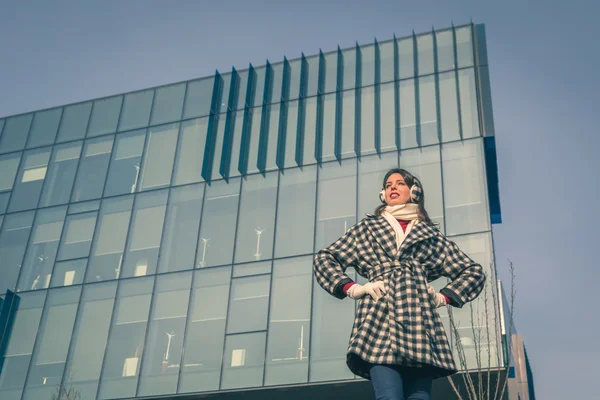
(386,237)
(418,233)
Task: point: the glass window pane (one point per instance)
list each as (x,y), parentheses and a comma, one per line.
(388,116)
(253,268)
(449,107)
(52,346)
(242,88)
(74,122)
(277,82)
(77,236)
(61,174)
(126,339)
(92,169)
(386,56)
(220,121)
(371,171)
(331,64)
(260,85)
(464,187)
(272,137)
(428,111)
(244,362)
(238,121)
(331,321)
(164,348)
(190,153)
(89,339)
(30,179)
(425,54)
(44,128)
(367,121)
(349,56)
(329,106)
(198,98)
(368,65)
(445,50)
(257,218)
(464,46)
(248,304)
(295,70)
(124,171)
(13,242)
(8,170)
(178,247)
(295,231)
(14,134)
(136,110)
(312,76)
(20,345)
(289,322)
(348,123)
(310,126)
(406,61)
(256,116)
(291,133)
(217,231)
(168,104)
(424,163)
(225,93)
(408,119)
(160,151)
(201,367)
(105,116)
(145,234)
(468,103)
(67,273)
(43,246)
(93,205)
(109,242)
(334,217)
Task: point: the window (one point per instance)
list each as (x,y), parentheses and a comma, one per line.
(168,104)
(30,179)
(386,54)
(105,116)
(368,64)
(445,50)
(204,339)
(331,68)
(217,230)
(219,120)
(249,303)
(349,56)
(74,122)
(464,46)
(121,367)
(109,242)
(406,60)
(91,176)
(13,242)
(124,172)
(296,230)
(198,98)
(67,273)
(291,133)
(367,121)
(328,133)
(190,153)
(388,117)
(425,54)
(449,107)
(77,237)
(8,171)
(428,111)
(164,348)
(468,103)
(256,121)
(44,128)
(234,162)
(158,162)
(136,110)
(348,123)
(289,322)
(14,134)
(89,339)
(310,126)
(41,253)
(408,116)
(257,218)
(53,340)
(145,234)
(61,174)
(244,361)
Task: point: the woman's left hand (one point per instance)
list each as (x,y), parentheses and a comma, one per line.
(439,300)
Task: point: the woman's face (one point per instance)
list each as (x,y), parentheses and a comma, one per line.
(396,190)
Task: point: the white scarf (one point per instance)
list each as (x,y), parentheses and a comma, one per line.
(405,212)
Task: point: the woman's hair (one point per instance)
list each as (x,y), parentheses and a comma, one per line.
(410,180)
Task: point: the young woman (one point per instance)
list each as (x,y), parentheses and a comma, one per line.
(398,340)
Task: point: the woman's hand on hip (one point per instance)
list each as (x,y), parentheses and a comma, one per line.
(439,300)
(375,289)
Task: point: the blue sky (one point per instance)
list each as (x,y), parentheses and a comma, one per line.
(543,58)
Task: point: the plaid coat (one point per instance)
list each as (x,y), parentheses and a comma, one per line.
(403,327)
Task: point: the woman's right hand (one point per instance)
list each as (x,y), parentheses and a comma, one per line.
(375,289)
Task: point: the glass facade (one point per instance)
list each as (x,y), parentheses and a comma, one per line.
(161,242)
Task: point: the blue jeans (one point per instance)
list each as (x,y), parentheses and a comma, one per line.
(393,382)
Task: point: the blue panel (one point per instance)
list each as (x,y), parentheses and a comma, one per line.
(211,135)
(8,309)
(301,112)
(357,101)
(247,125)
(320,99)
(234,91)
(283,113)
(491,168)
(263,142)
(377,98)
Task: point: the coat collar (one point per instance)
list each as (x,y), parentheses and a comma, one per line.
(386,237)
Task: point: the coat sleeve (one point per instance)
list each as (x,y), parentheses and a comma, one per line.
(330,264)
(467,278)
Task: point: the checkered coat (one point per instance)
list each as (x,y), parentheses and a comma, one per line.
(403,327)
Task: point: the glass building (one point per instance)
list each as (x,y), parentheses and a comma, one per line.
(160,242)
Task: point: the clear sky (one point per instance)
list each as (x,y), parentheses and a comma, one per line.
(543,59)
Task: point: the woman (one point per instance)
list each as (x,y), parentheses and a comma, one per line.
(398,340)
